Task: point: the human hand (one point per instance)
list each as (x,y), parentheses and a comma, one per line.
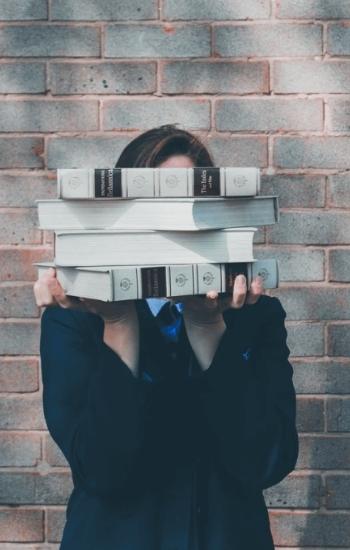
(209,309)
(49,292)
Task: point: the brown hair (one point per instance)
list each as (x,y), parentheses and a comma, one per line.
(153,147)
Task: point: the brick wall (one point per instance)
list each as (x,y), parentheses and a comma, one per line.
(263,83)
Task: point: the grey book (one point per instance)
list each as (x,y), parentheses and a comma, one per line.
(115,283)
(188,214)
(130,247)
(105,183)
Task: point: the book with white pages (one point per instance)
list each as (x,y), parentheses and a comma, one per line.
(125,247)
(115,283)
(188,214)
(106,183)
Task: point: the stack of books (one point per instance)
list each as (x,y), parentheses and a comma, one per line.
(133,233)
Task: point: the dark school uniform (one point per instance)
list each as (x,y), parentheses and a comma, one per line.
(176,458)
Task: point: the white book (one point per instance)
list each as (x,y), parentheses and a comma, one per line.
(93,183)
(130,247)
(188,214)
(115,283)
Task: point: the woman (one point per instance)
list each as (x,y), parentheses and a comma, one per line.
(172,423)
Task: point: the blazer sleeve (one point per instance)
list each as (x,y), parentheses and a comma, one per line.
(248,396)
(95,408)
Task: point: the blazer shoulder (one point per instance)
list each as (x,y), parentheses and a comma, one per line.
(80,321)
(271,304)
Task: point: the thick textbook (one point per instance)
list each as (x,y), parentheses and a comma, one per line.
(130,247)
(182,214)
(106,183)
(115,283)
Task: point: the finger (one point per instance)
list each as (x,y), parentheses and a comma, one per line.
(256,290)
(58,293)
(211,299)
(43,296)
(239,292)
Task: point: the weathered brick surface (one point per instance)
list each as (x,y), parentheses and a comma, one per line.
(322,377)
(267,40)
(55,522)
(48,116)
(19,337)
(310,414)
(312,152)
(262,83)
(17,78)
(19,375)
(139,113)
(16,263)
(339,265)
(338,40)
(238,151)
(339,190)
(339,115)
(316,303)
(310,529)
(295,491)
(268,115)
(328,452)
(85,10)
(89,152)
(309,76)
(102,78)
(33,488)
(295,265)
(52,453)
(339,339)
(23,10)
(313,9)
(20,226)
(317,228)
(215,10)
(21,412)
(305,339)
(17,300)
(19,449)
(338,491)
(157,41)
(338,414)
(295,191)
(21,525)
(49,41)
(21,152)
(212,78)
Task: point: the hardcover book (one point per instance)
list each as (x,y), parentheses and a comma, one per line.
(182,214)
(91,183)
(115,283)
(130,247)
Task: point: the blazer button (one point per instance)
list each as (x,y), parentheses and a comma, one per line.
(198,510)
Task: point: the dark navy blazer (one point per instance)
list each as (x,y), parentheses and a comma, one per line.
(177,458)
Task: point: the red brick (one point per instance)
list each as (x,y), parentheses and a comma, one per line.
(21,412)
(52,453)
(20,226)
(18,375)
(21,525)
(16,263)
(56,518)
(17,300)
(19,449)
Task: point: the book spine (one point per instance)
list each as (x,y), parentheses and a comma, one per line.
(188,280)
(157,182)
(108,183)
(137,282)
